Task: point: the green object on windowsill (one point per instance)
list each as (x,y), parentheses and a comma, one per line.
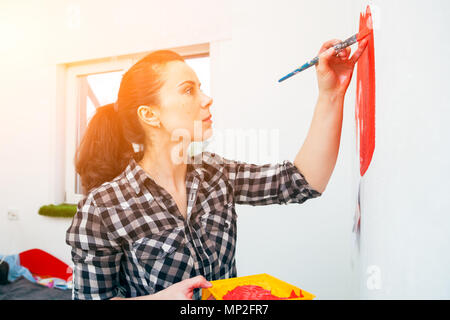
(63,210)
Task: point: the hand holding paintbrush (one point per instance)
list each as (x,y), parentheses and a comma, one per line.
(334,70)
(337,48)
(317,157)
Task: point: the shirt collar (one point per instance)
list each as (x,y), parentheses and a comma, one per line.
(137,177)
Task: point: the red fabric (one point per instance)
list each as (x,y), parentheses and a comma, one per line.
(365,97)
(44,264)
(250,292)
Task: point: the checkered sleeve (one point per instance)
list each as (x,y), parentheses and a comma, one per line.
(279,183)
(95,256)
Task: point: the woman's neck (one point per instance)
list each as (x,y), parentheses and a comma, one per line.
(167,165)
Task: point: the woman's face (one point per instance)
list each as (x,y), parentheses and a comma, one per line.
(183,105)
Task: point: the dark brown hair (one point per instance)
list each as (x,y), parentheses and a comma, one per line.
(107,144)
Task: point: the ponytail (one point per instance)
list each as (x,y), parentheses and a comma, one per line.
(107,145)
(103,152)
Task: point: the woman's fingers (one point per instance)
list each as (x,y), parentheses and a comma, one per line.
(327,53)
(359,51)
(329,57)
(197,282)
(328,45)
(345,53)
(324,59)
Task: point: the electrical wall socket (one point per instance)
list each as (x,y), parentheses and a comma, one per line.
(13,214)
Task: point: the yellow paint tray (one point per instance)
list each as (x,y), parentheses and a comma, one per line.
(278,287)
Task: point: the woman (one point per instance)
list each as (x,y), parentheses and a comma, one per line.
(158,224)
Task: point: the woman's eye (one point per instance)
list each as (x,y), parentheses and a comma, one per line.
(189,90)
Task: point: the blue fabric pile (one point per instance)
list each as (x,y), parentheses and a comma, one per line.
(15,269)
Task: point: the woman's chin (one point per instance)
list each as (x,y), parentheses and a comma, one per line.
(208,134)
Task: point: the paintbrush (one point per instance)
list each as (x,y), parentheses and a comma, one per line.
(338,48)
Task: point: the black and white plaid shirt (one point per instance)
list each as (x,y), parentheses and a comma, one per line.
(129,239)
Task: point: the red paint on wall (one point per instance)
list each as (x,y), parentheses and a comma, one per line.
(365,97)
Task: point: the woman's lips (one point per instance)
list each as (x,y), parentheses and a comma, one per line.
(207,119)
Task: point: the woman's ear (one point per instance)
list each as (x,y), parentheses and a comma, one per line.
(149,115)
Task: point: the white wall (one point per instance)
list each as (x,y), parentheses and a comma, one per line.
(405,204)
(253,44)
(310,244)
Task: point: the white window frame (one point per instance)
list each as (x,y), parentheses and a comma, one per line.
(79,69)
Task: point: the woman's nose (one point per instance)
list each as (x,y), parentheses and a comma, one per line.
(207,101)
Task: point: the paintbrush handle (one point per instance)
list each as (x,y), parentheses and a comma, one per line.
(300,69)
(338,47)
(344,44)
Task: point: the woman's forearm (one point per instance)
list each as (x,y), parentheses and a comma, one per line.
(317,157)
(147,297)
(183,290)
(154,296)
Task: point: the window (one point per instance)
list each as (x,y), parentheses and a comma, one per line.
(93,84)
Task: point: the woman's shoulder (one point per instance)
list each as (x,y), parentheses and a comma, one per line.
(108,193)
(212,159)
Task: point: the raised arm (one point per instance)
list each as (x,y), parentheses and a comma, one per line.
(317,157)
(253,184)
